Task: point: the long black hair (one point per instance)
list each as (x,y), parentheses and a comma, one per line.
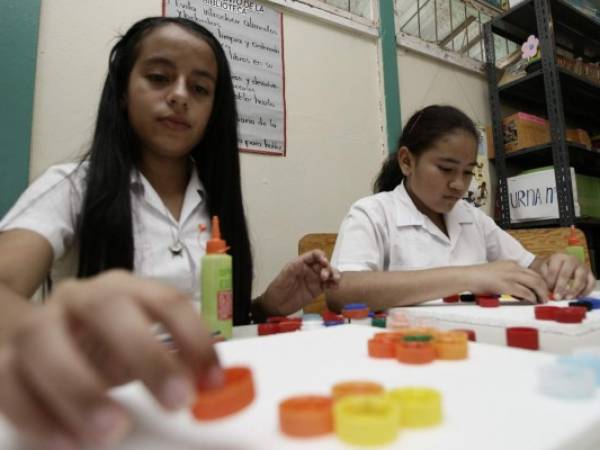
(105,226)
(420,133)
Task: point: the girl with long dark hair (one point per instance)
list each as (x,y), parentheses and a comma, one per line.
(163,160)
(417,240)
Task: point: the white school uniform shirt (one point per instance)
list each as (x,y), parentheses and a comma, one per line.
(51,207)
(386,232)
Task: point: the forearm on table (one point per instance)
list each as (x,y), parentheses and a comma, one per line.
(382,290)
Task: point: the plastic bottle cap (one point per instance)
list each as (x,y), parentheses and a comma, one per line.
(419,407)
(595,302)
(366,420)
(236,393)
(523,337)
(452,299)
(571,314)
(470,334)
(347,388)
(381,348)
(567,381)
(306,415)
(573,238)
(586,360)
(546,312)
(415,352)
(309,317)
(355,313)
(468,298)
(582,304)
(379,322)
(215,244)
(286,326)
(488,302)
(265,329)
(351,306)
(452,345)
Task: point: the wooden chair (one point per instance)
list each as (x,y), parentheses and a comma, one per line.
(325,242)
(545,241)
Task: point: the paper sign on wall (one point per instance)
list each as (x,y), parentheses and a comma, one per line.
(252,37)
(532,196)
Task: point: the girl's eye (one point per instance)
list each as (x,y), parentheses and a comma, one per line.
(201,89)
(157,77)
(469,173)
(445,169)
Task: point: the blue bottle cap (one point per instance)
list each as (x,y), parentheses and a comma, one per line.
(584,360)
(567,381)
(352,306)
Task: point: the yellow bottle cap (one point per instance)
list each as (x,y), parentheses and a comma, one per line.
(419,407)
(366,420)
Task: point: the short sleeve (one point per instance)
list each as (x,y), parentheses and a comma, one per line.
(502,246)
(50,206)
(360,245)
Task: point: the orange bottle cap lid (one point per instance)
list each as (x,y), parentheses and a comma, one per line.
(382,348)
(573,238)
(306,415)
(415,352)
(236,393)
(346,388)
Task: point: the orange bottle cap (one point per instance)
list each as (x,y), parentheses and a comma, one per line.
(415,352)
(306,415)
(236,393)
(382,348)
(346,388)
(215,244)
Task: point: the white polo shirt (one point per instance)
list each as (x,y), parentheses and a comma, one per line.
(51,206)
(386,232)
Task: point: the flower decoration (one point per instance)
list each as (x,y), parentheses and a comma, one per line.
(530,48)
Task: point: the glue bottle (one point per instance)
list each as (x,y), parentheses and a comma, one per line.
(215,282)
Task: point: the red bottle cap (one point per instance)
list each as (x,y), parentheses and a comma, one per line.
(571,314)
(488,302)
(573,240)
(289,325)
(523,337)
(236,393)
(452,299)
(276,319)
(470,334)
(265,329)
(306,415)
(546,312)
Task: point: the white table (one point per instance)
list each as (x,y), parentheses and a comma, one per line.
(490,324)
(489,400)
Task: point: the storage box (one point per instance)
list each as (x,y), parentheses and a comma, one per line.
(523,130)
(579,136)
(532,195)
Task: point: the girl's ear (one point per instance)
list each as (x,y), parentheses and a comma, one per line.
(405,160)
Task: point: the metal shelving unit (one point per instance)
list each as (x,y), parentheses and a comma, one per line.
(560,94)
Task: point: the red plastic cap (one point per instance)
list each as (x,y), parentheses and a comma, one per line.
(306,416)
(488,302)
(265,329)
(523,337)
(571,314)
(289,325)
(573,239)
(546,312)
(452,299)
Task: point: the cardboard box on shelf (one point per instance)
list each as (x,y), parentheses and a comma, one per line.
(579,136)
(523,130)
(532,195)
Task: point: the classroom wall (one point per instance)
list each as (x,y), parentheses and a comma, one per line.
(335,138)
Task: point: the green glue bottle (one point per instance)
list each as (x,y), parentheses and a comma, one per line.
(215,282)
(574,246)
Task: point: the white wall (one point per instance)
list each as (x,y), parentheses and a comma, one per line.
(335,140)
(425,81)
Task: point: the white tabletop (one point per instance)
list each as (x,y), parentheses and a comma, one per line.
(490,324)
(489,400)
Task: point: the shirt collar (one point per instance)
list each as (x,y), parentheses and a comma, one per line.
(409,215)
(195,193)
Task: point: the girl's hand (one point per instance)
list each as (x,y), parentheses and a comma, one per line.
(508,277)
(55,391)
(298,283)
(566,276)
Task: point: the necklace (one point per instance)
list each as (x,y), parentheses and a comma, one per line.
(176,247)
